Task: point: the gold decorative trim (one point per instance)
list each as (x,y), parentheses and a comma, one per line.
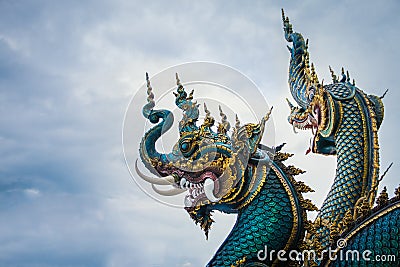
(239,262)
(365,147)
(375,159)
(326,130)
(366,223)
(234,193)
(258,189)
(294,206)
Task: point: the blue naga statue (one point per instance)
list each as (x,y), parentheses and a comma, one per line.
(235,173)
(230,173)
(344,121)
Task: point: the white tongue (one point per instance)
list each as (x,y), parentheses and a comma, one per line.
(209,190)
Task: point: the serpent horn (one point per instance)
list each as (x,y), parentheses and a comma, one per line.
(168,180)
(169,192)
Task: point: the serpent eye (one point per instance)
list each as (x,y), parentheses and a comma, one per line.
(185,146)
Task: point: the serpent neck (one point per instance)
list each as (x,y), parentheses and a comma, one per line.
(357,161)
(271,220)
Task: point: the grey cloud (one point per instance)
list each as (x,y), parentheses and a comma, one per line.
(67,71)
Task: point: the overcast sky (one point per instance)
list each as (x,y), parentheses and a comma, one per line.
(68,71)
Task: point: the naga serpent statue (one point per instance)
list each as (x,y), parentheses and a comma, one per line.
(232,174)
(344,121)
(235,173)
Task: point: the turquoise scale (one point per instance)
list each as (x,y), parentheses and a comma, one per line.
(346,189)
(266,221)
(380,237)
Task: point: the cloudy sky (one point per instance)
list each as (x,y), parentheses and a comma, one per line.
(69,69)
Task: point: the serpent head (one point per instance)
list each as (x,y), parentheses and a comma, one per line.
(206,162)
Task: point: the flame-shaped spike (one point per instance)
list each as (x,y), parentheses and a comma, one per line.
(209,120)
(307,60)
(290,104)
(348,76)
(190,97)
(397,192)
(285,19)
(150,99)
(286,24)
(222,114)
(314,76)
(354,82)
(383,198)
(178,82)
(208,113)
(237,124)
(302,80)
(320,88)
(190,108)
(150,95)
(343,79)
(266,117)
(334,77)
(224,125)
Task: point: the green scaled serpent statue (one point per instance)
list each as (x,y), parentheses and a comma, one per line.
(235,173)
(231,174)
(344,121)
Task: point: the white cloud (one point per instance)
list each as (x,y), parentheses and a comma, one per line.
(32,192)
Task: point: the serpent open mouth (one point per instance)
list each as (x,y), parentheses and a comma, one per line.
(201,188)
(310,121)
